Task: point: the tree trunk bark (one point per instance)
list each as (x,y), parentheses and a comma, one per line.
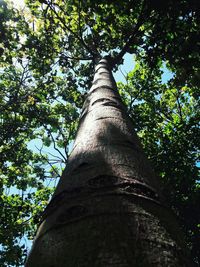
(107,209)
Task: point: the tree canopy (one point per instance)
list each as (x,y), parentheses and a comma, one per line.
(48,51)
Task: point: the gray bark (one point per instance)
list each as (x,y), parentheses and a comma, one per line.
(107,209)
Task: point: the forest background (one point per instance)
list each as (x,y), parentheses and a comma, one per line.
(47,50)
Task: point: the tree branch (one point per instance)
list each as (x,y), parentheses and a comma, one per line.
(115,61)
(80,38)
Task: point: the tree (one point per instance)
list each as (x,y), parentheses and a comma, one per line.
(61,43)
(106,209)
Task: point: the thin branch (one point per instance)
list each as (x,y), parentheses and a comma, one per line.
(124,75)
(179,106)
(73,33)
(54,145)
(115,61)
(40,151)
(59,159)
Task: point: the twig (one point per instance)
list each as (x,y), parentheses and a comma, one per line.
(72,32)
(40,150)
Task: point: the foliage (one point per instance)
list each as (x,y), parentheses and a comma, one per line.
(48,51)
(166,118)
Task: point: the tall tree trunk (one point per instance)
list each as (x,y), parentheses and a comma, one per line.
(107,209)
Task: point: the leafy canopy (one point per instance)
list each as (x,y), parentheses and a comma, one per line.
(48,50)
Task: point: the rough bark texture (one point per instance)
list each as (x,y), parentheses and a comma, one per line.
(107,209)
